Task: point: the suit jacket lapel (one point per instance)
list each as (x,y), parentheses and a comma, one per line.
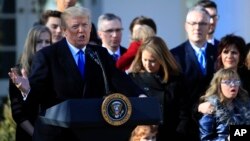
(122,50)
(210,57)
(93,72)
(67,62)
(191,57)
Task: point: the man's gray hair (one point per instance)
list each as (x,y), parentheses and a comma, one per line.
(106,17)
(198,9)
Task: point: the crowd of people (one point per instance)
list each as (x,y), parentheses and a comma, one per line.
(202,85)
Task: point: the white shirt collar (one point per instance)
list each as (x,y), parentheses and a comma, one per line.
(73,49)
(211,41)
(203,48)
(117,52)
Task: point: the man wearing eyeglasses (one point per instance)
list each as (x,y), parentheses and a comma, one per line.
(110,32)
(196,58)
(211,8)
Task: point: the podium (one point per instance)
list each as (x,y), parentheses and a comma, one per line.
(83,118)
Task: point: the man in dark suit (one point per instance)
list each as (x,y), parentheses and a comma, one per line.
(197,76)
(55,76)
(110,32)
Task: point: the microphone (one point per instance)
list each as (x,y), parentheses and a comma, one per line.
(92,55)
(95,56)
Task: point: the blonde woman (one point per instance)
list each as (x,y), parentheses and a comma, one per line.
(155,71)
(231,106)
(23,114)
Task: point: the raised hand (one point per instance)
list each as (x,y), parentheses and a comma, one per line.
(21,81)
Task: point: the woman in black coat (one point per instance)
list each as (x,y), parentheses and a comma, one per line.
(155,71)
(24,114)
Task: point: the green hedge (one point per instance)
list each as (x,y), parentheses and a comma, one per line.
(7,124)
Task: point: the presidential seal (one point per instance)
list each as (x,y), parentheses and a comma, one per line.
(116,109)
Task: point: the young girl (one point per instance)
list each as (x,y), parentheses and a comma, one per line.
(144,133)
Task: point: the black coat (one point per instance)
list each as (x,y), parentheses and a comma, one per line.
(195,82)
(244,74)
(21,111)
(169,96)
(55,78)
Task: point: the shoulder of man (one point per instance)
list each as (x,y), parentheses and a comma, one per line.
(180,48)
(123,50)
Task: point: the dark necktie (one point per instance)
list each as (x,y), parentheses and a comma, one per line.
(115,56)
(202,61)
(80,62)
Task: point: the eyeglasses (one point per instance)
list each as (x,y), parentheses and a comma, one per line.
(118,30)
(202,24)
(231,82)
(214,17)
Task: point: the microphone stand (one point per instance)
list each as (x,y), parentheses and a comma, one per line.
(95,56)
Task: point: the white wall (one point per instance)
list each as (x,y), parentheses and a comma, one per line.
(170,17)
(25,18)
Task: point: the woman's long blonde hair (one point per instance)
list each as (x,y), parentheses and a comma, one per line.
(215,85)
(142,33)
(160,51)
(30,46)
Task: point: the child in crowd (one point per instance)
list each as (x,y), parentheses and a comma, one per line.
(144,133)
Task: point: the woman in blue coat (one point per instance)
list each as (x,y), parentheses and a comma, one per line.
(231,106)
